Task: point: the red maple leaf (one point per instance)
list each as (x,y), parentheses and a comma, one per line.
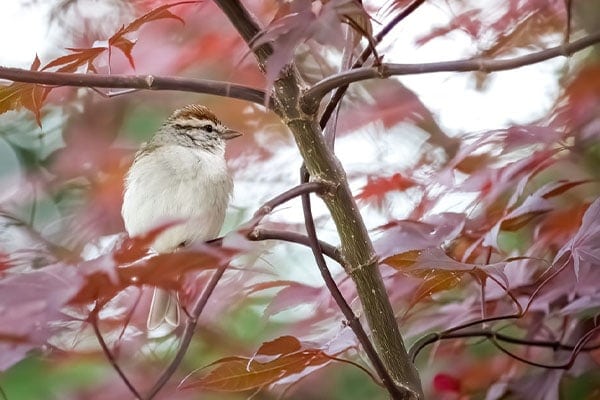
(376,188)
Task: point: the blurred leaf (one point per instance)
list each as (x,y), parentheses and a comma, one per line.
(35,379)
(30,303)
(28,95)
(119,41)
(377,187)
(106,276)
(446,383)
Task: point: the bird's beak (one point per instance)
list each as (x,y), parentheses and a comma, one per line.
(230,134)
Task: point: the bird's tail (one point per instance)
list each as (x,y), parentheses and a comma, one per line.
(164,312)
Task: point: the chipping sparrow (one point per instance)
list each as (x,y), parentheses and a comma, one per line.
(179,175)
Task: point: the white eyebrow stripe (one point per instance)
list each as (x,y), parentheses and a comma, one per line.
(194,123)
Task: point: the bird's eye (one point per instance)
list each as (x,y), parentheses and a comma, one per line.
(208,128)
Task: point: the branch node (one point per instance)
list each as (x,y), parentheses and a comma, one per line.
(329,189)
(264,210)
(373,261)
(381,69)
(254,234)
(149,80)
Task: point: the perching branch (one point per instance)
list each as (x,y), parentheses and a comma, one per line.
(312,97)
(146,82)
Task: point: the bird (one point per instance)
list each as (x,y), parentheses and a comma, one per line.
(180,175)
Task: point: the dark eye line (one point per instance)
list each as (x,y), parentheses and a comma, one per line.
(183,127)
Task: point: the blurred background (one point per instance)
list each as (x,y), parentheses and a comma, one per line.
(61,181)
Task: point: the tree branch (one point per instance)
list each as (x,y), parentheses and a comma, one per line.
(357,250)
(298,238)
(339,93)
(188,332)
(147,82)
(109,355)
(351,318)
(312,97)
(247,27)
(266,208)
(431,338)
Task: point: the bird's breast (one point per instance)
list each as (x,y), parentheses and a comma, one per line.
(180,185)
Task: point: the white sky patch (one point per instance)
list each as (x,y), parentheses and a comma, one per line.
(24,31)
(516,96)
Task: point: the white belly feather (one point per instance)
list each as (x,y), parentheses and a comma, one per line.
(159,189)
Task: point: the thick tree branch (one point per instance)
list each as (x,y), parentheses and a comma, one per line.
(357,251)
(247,27)
(146,82)
(337,295)
(312,97)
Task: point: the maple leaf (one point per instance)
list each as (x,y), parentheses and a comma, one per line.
(30,302)
(283,358)
(131,264)
(28,95)
(377,187)
(119,40)
(78,58)
(297,22)
(404,235)
(583,246)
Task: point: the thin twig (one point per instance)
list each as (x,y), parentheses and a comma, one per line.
(431,338)
(337,295)
(267,207)
(147,82)
(109,355)
(312,97)
(339,93)
(298,238)
(569,7)
(566,365)
(188,331)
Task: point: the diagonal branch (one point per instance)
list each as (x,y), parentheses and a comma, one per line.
(247,27)
(188,332)
(147,82)
(337,295)
(340,91)
(109,355)
(312,97)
